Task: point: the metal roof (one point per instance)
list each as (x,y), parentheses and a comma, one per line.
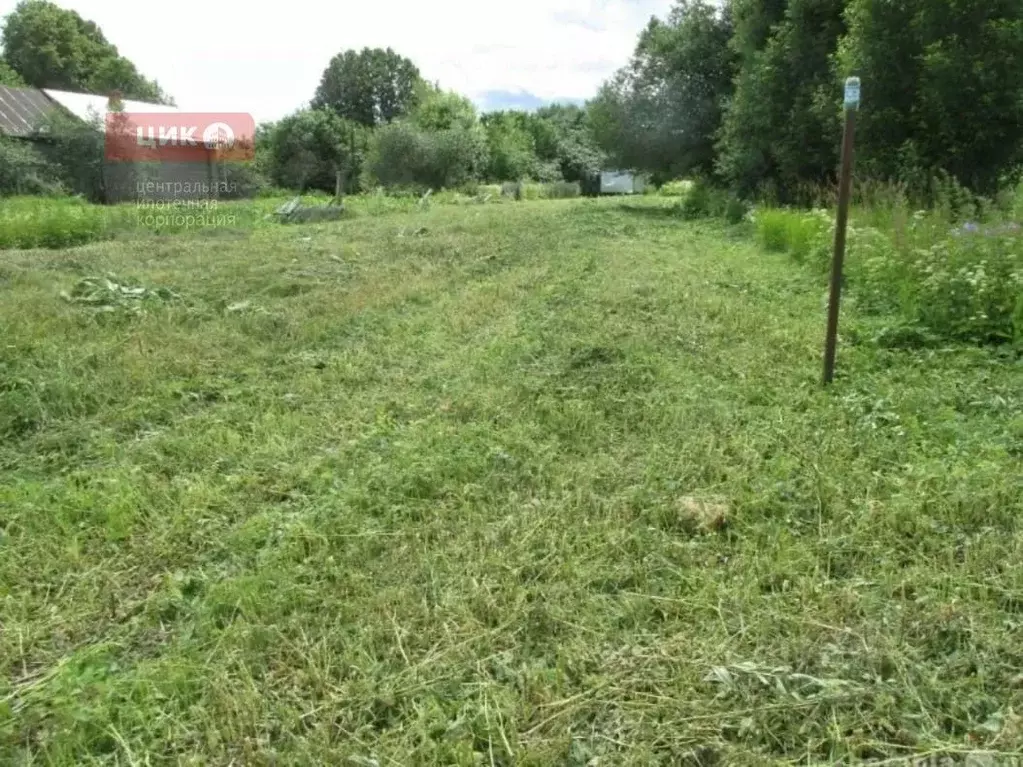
(88,107)
(22,110)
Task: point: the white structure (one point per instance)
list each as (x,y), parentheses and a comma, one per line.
(621,182)
(88,106)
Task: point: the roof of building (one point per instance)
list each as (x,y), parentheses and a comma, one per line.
(88,106)
(22,110)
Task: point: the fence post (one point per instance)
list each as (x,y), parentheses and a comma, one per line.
(852,103)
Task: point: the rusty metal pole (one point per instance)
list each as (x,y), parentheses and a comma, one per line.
(852,103)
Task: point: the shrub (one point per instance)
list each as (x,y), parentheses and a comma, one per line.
(735,210)
(24,170)
(305,149)
(404,155)
(966,285)
(969,286)
(697,202)
(677,188)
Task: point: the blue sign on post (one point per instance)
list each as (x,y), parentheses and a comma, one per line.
(852,93)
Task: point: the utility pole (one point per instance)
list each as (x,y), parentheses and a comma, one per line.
(852,104)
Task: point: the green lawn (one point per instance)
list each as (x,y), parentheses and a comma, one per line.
(545,483)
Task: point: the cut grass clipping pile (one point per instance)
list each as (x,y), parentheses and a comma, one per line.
(551,483)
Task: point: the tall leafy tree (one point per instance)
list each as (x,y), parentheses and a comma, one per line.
(52,47)
(662,112)
(370,87)
(305,150)
(512,154)
(942,87)
(563,137)
(782,126)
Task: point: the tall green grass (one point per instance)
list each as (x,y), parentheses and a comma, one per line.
(954,279)
(50,222)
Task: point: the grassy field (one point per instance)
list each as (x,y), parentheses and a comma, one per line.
(538,484)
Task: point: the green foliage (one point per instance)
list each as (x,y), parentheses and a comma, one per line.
(437,110)
(510,146)
(77,154)
(704,200)
(782,125)
(52,47)
(8,76)
(961,286)
(678,188)
(30,222)
(794,232)
(553,144)
(369,87)
(306,150)
(941,87)
(25,170)
(405,155)
(662,112)
(966,286)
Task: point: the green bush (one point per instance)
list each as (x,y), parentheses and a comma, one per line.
(735,210)
(969,286)
(964,285)
(24,170)
(46,222)
(698,201)
(705,201)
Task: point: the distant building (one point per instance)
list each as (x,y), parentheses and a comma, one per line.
(621,182)
(25,113)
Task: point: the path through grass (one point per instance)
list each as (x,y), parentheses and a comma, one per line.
(532,484)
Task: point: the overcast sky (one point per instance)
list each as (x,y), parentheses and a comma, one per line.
(266,58)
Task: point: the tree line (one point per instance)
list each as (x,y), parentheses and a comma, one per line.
(745,94)
(748,93)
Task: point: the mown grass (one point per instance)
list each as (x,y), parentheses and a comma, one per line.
(549,483)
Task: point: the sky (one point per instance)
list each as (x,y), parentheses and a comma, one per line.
(266,59)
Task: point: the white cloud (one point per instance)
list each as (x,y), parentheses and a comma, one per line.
(267,58)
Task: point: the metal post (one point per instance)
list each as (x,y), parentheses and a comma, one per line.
(852,102)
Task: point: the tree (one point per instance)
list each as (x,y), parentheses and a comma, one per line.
(370,87)
(51,47)
(941,87)
(782,126)
(306,150)
(512,155)
(563,135)
(438,110)
(405,155)
(662,112)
